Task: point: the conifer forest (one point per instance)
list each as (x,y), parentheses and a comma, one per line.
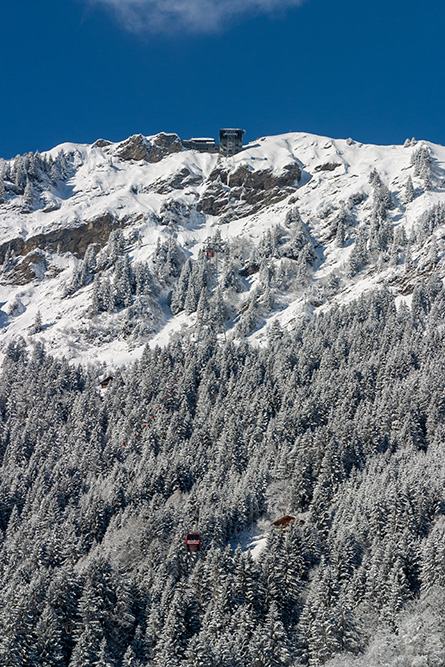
(341,421)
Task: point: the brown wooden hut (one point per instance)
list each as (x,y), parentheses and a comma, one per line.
(284,522)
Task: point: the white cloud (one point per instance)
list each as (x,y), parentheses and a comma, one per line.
(191,15)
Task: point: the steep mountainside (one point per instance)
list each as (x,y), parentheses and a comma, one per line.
(296,293)
(107,247)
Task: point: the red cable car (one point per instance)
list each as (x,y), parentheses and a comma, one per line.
(210,252)
(193,542)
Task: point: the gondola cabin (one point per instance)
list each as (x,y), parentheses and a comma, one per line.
(193,542)
(210,253)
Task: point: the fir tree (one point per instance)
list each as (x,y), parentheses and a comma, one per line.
(409,190)
(28,197)
(37,326)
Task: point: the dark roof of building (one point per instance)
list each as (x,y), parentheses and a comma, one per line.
(284,521)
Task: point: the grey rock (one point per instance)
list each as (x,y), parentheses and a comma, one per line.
(139,148)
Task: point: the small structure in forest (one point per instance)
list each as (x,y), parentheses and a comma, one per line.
(106,383)
(285,522)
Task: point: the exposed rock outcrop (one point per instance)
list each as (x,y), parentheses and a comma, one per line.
(73,239)
(28,269)
(178,212)
(66,239)
(180,180)
(250,190)
(327,166)
(101,143)
(139,147)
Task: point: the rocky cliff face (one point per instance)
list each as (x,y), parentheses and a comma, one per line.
(73,240)
(139,147)
(246,190)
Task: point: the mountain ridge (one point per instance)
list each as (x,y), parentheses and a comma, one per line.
(358,215)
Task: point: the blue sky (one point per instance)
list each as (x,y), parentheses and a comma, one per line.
(75,70)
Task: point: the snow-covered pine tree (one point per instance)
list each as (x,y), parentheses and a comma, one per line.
(37,326)
(409,190)
(422,162)
(28,197)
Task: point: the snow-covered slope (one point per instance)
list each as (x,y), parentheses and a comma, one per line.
(274,233)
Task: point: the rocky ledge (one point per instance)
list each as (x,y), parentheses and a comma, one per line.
(248,190)
(65,239)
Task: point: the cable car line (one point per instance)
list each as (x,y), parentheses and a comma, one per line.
(192,540)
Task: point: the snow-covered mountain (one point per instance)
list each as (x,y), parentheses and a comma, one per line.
(310,462)
(106,247)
